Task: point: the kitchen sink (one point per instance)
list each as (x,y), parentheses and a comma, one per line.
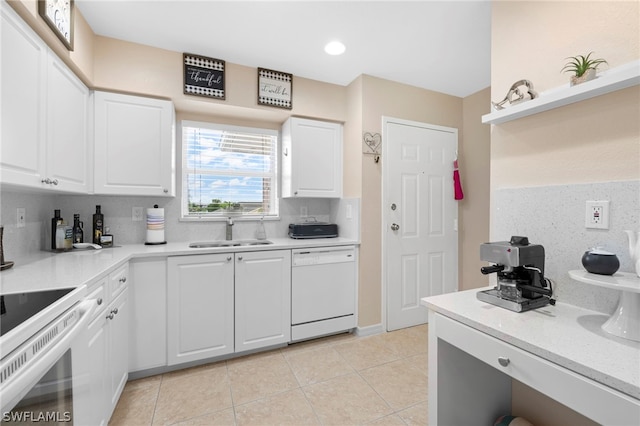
(229,243)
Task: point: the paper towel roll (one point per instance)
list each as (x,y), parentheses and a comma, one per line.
(155,226)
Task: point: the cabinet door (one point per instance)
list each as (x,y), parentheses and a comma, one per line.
(148,325)
(263,299)
(134,145)
(67,129)
(23,79)
(200,311)
(312,159)
(94,410)
(118,349)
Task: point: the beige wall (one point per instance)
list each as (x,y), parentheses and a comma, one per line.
(473,210)
(592,141)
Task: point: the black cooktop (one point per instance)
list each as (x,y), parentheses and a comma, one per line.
(19,307)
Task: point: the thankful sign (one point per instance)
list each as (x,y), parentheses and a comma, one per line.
(203,76)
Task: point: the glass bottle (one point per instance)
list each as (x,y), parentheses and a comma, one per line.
(98,224)
(78,233)
(55,221)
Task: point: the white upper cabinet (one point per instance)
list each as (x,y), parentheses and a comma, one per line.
(311,159)
(68,134)
(134,145)
(44,114)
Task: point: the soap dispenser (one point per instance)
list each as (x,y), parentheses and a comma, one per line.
(261,234)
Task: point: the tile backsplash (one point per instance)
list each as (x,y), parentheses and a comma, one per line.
(554,216)
(19,243)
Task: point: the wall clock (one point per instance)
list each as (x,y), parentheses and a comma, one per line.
(58,14)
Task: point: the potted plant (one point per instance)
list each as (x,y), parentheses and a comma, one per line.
(583,67)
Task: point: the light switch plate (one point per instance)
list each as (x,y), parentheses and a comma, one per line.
(21,215)
(136,214)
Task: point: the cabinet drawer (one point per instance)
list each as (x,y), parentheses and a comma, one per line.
(98,292)
(118,280)
(594,400)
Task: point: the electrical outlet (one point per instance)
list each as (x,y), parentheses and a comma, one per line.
(303,211)
(21,214)
(136,214)
(597,215)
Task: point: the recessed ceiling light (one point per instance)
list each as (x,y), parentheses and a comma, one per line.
(335,48)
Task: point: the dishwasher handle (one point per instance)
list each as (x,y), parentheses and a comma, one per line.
(322,257)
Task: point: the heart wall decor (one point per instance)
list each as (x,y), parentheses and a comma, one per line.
(372,143)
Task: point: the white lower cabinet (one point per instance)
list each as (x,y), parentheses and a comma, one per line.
(226,303)
(200,314)
(148,317)
(92,411)
(263,299)
(118,347)
(108,354)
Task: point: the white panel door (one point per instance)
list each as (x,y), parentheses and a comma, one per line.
(420,215)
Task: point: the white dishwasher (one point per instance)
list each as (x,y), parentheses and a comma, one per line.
(323,291)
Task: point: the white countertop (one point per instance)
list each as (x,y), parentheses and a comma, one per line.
(47,270)
(563,334)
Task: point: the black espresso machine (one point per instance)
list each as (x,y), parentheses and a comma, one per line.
(520,268)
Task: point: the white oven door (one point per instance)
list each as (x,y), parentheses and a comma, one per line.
(38,384)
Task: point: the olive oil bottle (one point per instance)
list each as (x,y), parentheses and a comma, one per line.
(98,225)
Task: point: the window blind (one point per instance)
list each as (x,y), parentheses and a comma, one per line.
(228,170)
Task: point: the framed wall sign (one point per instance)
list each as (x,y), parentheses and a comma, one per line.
(203,76)
(58,14)
(275,88)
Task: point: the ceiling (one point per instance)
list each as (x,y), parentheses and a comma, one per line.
(437,45)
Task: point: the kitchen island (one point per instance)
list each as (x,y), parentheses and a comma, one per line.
(476,349)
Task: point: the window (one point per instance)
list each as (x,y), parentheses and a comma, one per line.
(228,170)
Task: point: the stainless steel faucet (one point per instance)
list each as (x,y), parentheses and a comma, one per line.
(229,229)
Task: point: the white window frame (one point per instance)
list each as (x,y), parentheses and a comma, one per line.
(223,215)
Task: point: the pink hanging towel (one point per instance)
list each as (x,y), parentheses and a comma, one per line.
(457,186)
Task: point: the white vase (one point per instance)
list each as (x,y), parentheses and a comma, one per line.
(634,249)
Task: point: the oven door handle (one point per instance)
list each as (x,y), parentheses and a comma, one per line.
(19,385)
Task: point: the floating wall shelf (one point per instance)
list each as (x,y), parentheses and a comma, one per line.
(614,79)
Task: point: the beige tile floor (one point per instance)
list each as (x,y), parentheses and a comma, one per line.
(338,380)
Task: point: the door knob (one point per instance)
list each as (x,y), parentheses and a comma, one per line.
(395,226)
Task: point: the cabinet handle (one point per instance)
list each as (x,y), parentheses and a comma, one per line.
(55,181)
(239,258)
(99,301)
(503,361)
(46,180)
(123,280)
(166,191)
(110,316)
(228,258)
(114,311)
